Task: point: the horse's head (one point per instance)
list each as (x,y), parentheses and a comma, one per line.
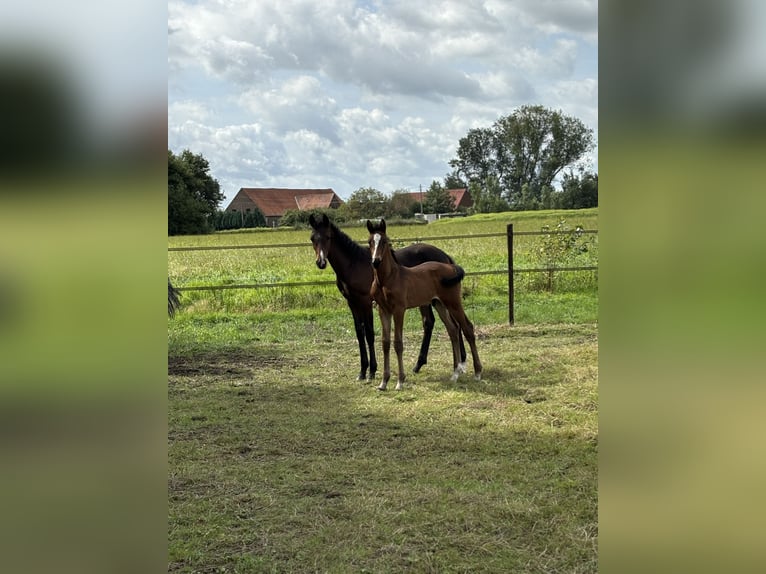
(321,238)
(378,241)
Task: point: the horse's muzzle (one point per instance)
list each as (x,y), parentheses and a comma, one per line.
(321,263)
(376,263)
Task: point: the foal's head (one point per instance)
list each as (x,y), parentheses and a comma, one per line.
(378,241)
(321,238)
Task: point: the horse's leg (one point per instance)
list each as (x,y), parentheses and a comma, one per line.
(359,328)
(428,327)
(385,336)
(399,346)
(452,329)
(467,327)
(463,354)
(369,332)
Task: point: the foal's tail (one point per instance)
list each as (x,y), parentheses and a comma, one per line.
(451,281)
(173,302)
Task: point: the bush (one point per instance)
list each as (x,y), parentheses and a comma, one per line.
(298,219)
(238,220)
(559,248)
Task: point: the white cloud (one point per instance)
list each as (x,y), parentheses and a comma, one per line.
(350,94)
(182,111)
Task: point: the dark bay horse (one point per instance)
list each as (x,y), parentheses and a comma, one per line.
(396,288)
(351,263)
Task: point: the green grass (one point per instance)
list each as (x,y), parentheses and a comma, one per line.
(279,461)
(487,295)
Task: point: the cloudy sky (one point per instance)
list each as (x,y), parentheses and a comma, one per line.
(366,93)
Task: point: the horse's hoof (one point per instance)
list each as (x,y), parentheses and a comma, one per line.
(460,367)
(381,388)
(454,376)
(399,387)
(478,376)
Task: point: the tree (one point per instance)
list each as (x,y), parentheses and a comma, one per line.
(579,191)
(487,196)
(366,203)
(438,200)
(193,195)
(528,148)
(238,219)
(476,159)
(401,204)
(452,181)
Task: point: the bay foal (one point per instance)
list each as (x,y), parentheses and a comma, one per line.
(396,288)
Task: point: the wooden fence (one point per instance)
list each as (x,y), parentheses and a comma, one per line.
(511,271)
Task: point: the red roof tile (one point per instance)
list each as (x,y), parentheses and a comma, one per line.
(460,197)
(274,202)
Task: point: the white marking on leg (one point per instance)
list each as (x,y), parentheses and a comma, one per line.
(460,368)
(455,375)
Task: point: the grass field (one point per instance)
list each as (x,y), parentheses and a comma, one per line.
(280,462)
(486,296)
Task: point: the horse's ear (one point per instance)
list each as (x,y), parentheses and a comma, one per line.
(312,221)
(382,226)
(369,226)
(325,219)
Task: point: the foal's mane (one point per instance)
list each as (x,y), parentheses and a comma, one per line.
(348,245)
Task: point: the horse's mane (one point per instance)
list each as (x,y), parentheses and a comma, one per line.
(348,245)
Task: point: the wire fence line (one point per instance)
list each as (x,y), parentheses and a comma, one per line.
(402,240)
(326,282)
(510,271)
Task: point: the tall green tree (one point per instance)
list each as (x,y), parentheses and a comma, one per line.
(366,203)
(525,151)
(193,194)
(437,199)
(487,196)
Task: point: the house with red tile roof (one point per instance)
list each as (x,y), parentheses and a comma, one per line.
(461,197)
(274,202)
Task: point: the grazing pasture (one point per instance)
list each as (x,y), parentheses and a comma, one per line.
(280,461)
(574,297)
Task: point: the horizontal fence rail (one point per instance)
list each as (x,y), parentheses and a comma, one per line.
(318,283)
(402,240)
(510,271)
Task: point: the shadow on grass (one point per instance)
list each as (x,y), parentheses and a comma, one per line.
(232,363)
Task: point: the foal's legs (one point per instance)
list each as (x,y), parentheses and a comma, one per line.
(369,332)
(428,327)
(359,329)
(458,358)
(456,310)
(385,337)
(399,346)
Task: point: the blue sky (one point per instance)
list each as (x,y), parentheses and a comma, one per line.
(349,94)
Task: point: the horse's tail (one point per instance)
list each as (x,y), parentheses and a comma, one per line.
(451,281)
(173,301)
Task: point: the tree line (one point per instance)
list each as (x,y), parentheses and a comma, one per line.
(511,165)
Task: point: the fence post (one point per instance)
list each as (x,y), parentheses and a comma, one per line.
(509,233)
